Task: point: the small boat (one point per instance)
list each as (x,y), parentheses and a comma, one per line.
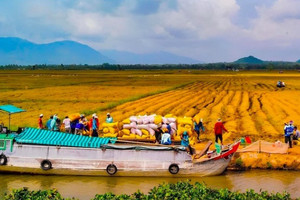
(37,151)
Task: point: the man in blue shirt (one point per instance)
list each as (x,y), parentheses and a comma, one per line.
(185,139)
(288,133)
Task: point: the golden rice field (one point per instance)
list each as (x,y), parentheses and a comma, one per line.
(248,102)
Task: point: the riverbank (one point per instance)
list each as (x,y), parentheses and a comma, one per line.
(254,160)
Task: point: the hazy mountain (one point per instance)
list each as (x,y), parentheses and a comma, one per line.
(23,52)
(123,57)
(298,61)
(249,60)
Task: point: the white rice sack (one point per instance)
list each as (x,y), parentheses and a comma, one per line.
(146,120)
(127,126)
(151,119)
(151,131)
(142,126)
(165,120)
(139,121)
(173,125)
(133,131)
(138,132)
(153,126)
(133,119)
(133,124)
(171,120)
(164,126)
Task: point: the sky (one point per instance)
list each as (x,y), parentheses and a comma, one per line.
(206,30)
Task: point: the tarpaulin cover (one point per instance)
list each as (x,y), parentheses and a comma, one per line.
(46,137)
(266,147)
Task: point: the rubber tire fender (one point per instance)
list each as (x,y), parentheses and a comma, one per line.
(46,165)
(3,159)
(173,168)
(111,169)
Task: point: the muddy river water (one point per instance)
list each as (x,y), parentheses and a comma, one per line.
(84,187)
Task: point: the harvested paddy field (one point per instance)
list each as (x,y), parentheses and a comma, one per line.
(248,102)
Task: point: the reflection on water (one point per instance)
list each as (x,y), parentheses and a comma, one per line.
(84,187)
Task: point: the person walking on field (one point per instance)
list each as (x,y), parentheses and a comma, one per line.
(109,118)
(297,133)
(40,125)
(288,133)
(198,127)
(219,128)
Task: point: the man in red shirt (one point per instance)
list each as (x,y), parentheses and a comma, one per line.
(41,126)
(219,127)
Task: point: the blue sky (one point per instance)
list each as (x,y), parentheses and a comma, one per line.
(206,30)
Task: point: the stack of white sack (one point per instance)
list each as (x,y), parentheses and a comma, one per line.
(144,127)
(140,127)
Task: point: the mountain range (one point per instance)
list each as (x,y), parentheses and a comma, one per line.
(23,52)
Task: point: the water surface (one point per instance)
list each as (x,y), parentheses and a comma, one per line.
(84,187)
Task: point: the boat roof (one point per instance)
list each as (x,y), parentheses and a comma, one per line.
(11,109)
(46,137)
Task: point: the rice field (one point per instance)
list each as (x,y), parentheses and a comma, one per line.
(248,102)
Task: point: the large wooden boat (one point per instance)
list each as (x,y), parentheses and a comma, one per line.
(38,151)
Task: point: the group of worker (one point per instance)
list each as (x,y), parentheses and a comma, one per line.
(164,137)
(91,127)
(291,133)
(77,126)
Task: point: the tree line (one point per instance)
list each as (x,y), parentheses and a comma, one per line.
(208,66)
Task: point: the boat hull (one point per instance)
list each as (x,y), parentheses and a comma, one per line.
(27,158)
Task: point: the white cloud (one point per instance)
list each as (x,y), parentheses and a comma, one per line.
(280,22)
(202,29)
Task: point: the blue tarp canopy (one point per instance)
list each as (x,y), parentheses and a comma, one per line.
(11,109)
(46,137)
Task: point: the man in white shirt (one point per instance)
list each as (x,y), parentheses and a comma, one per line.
(67,123)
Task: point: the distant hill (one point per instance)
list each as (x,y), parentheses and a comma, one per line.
(298,61)
(22,52)
(123,57)
(249,60)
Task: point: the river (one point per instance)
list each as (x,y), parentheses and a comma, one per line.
(84,187)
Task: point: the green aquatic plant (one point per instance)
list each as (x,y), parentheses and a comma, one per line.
(172,191)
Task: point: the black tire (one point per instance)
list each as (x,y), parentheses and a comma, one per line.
(3,159)
(111,169)
(46,165)
(173,169)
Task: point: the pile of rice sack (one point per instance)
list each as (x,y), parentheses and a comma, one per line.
(144,127)
(110,129)
(187,124)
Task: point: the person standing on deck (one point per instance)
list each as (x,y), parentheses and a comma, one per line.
(49,123)
(166,139)
(53,124)
(40,124)
(219,128)
(94,125)
(288,133)
(109,118)
(67,123)
(185,139)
